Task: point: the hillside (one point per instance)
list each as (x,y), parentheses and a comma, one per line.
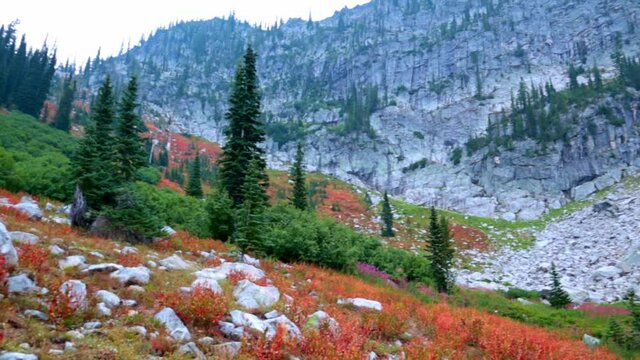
(385,93)
(118,299)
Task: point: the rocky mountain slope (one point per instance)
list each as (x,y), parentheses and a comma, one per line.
(384,93)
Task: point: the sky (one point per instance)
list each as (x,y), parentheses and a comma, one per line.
(78,28)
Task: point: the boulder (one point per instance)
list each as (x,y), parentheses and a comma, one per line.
(221,272)
(632,258)
(362,303)
(206,341)
(251,261)
(228,350)
(106,268)
(17,356)
(192,350)
(580,192)
(6,247)
(168,230)
(23,237)
(607,272)
(175,262)
(21,284)
(72,261)
(76,291)
(293,332)
(132,275)
(103,309)
(110,299)
(207,284)
(231,331)
(250,321)
(175,327)
(590,341)
(29,207)
(254,297)
(140,330)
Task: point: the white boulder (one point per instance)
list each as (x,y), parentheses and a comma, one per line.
(254,297)
(72,261)
(110,299)
(21,284)
(6,247)
(175,262)
(362,303)
(250,321)
(222,272)
(132,275)
(76,291)
(176,328)
(22,237)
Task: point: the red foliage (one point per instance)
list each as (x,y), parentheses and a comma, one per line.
(3,270)
(33,257)
(162,344)
(166,183)
(202,307)
(62,304)
(131,259)
(466,237)
(278,348)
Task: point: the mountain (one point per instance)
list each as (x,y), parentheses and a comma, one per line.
(385,94)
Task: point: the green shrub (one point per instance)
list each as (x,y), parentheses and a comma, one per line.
(149,175)
(515,293)
(133,215)
(456,156)
(176,210)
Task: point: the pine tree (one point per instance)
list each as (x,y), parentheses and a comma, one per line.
(250,216)
(128,143)
(633,337)
(194,187)
(558,297)
(387,217)
(615,333)
(244,133)
(94,163)
(62,121)
(440,252)
(299,199)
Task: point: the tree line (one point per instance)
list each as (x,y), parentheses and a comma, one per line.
(25,74)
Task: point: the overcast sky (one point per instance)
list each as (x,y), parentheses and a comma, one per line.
(80,27)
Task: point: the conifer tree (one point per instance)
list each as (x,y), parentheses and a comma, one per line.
(440,252)
(558,297)
(633,337)
(129,145)
(299,199)
(62,121)
(597,78)
(387,217)
(244,133)
(615,333)
(194,187)
(94,163)
(250,218)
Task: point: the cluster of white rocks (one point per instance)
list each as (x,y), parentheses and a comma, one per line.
(596,251)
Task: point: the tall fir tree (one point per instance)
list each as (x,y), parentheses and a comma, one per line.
(244,133)
(250,219)
(558,297)
(62,120)
(129,145)
(440,252)
(387,217)
(299,199)
(194,186)
(94,163)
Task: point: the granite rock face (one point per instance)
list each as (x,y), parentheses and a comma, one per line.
(419,75)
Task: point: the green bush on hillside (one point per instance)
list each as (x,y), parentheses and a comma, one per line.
(40,157)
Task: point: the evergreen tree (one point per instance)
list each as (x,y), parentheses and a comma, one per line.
(597,77)
(194,187)
(129,145)
(633,338)
(615,333)
(387,217)
(299,199)
(250,218)
(440,252)
(573,77)
(62,121)
(221,216)
(558,297)
(94,163)
(244,133)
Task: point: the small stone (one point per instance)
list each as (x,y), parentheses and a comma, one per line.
(102,268)
(103,309)
(92,325)
(362,303)
(17,356)
(109,299)
(227,350)
(175,262)
(56,250)
(206,341)
(72,261)
(590,341)
(36,314)
(192,350)
(136,288)
(140,330)
(21,284)
(23,237)
(69,346)
(75,334)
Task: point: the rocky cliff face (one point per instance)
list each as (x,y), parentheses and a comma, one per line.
(385,92)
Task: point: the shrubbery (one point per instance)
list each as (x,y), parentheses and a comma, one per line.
(34,157)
